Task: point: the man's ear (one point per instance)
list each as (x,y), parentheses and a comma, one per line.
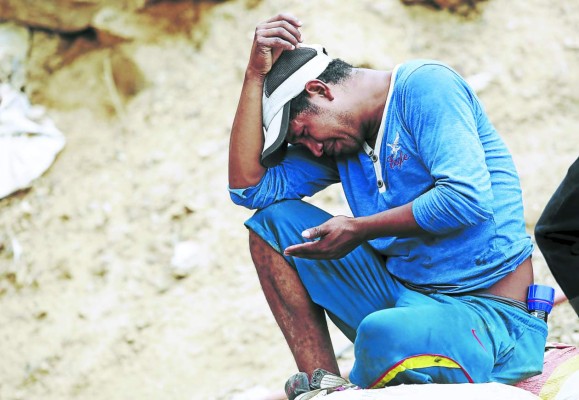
(318,88)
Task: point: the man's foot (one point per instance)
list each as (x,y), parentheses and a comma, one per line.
(322,383)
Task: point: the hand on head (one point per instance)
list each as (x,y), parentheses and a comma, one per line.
(271,38)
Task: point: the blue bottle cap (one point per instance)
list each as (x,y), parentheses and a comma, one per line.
(540,298)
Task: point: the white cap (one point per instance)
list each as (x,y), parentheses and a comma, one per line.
(285,81)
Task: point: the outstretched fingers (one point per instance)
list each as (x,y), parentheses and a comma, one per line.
(312,250)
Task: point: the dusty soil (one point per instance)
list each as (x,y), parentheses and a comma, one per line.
(97,306)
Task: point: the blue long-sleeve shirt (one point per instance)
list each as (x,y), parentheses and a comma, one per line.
(437,148)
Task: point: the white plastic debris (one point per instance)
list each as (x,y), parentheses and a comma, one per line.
(29,141)
(479,391)
(570,389)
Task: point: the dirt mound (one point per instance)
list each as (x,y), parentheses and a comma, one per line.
(124,270)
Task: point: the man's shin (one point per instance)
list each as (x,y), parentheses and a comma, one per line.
(302,322)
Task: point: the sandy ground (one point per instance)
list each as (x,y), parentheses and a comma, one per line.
(94,306)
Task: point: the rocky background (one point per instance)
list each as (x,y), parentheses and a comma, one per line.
(124,270)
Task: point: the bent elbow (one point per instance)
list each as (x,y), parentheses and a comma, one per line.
(238,197)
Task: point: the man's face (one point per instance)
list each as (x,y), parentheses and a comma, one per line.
(325,132)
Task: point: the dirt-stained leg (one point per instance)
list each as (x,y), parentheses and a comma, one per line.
(302,322)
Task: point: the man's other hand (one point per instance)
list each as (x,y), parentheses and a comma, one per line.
(333,239)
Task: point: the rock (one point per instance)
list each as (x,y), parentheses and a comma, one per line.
(128,77)
(187,256)
(451,5)
(58,15)
(114,26)
(65,16)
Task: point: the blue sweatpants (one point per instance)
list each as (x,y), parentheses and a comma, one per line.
(400,335)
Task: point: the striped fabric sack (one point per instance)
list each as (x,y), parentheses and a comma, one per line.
(560,377)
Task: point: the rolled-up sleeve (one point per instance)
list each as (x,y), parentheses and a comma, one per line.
(300,174)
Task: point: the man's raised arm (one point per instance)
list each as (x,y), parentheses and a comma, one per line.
(273,36)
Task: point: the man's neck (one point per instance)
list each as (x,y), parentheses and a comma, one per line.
(379,82)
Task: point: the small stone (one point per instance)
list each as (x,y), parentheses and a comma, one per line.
(186,257)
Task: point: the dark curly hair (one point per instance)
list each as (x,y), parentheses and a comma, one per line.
(337,71)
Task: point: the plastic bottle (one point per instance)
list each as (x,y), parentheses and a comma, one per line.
(540,300)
